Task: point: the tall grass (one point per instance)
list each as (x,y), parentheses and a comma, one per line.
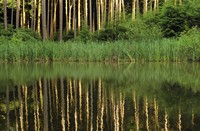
(185,48)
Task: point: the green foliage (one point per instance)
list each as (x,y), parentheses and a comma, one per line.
(176,19)
(18,35)
(137,30)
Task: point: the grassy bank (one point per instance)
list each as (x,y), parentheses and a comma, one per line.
(185,48)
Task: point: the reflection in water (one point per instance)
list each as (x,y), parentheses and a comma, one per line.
(77,104)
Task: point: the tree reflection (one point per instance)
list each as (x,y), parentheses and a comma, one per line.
(80,104)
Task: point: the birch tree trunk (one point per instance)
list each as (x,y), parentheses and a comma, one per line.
(144,7)
(39,16)
(133,9)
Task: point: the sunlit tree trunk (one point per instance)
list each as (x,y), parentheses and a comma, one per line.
(17,13)
(144,7)
(104,13)
(180,2)
(70,14)
(174,2)
(120,8)
(39,16)
(5,14)
(151,5)
(74,18)
(44,29)
(61,19)
(12,12)
(54,16)
(155,6)
(66,13)
(111,10)
(79,15)
(85,13)
(98,15)
(23,13)
(133,9)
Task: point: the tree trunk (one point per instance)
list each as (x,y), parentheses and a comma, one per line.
(137,8)
(12,12)
(44,30)
(54,16)
(5,14)
(144,7)
(51,21)
(155,6)
(98,15)
(17,13)
(74,17)
(23,13)
(61,19)
(39,16)
(48,17)
(70,14)
(90,4)
(120,8)
(66,13)
(79,15)
(133,9)
(35,9)
(85,13)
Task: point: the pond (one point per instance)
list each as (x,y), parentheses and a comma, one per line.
(100,96)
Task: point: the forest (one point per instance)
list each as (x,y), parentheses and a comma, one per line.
(100,30)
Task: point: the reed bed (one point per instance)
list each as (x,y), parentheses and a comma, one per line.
(165,50)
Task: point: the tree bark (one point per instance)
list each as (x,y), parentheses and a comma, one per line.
(74,17)
(44,30)
(39,16)
(5,15)
(61,19)
(85,13)
(12,12)
(23,13)
(17,13)
(79,15)
(144,7)
(90,4)
(98,15)
(133,9)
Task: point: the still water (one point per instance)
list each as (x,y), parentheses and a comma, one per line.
(110,97)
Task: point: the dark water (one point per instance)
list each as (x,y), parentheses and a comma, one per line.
(110,97)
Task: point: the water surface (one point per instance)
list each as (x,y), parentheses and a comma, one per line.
(72,96)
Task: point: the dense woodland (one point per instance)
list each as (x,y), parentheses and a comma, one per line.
(163,26)
(51,17)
